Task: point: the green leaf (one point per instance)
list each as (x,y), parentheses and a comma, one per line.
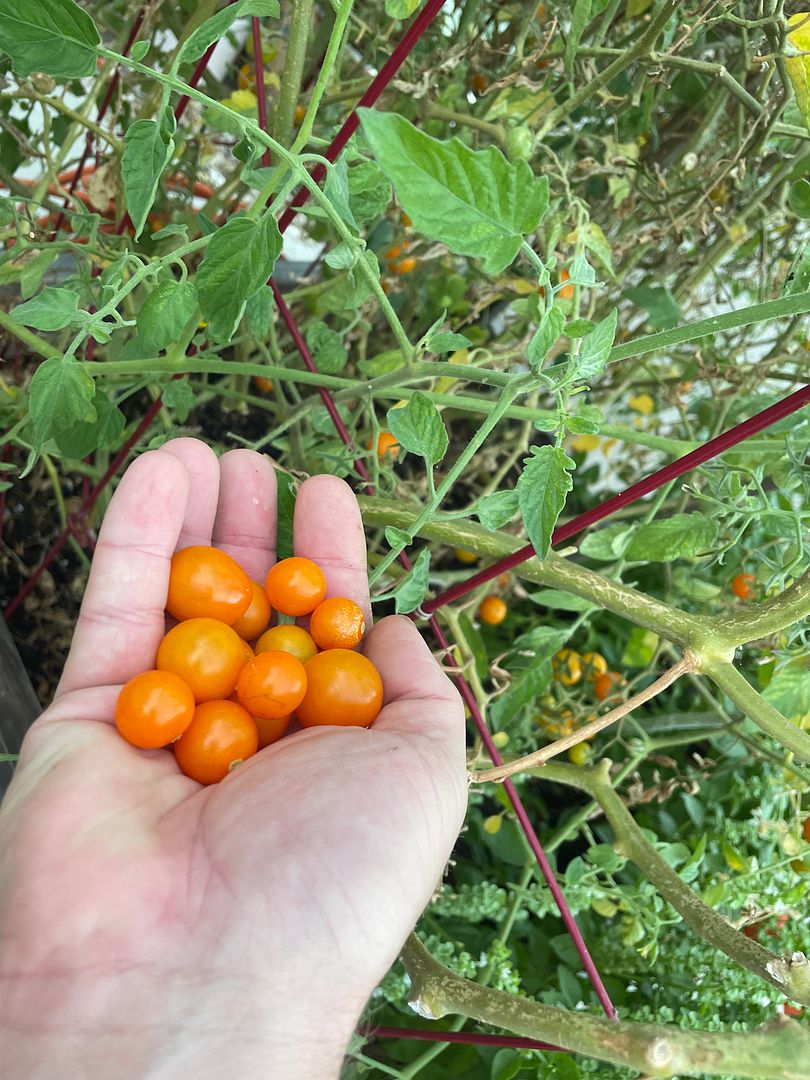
(286,510)
(594,351)
(178,395)
(580,272)
(400,9)
(148,148)
(61,394)
(608,543)
(549,330)
(474,201)
(578,328)
(327,348)
(52,309)
(446,341)
(164,313)
(343,256)
(542,490)
(659,303)
(139,50)
(539,644)
(54,36)
(676,537)
(418,428)
(789,689)
(523,690)
(215,27)
(336,189)
(506,1065)
(496,510)
(370,191)
(640,648)
(259,313)
(411,591)
(580,17)
(557,600)
(171,230)
(104,432)
(799,198)
(238,261)
(798,278)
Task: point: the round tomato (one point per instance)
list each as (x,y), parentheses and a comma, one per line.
(207,654)
(153,709)
(493,610)
(295,586)
(387,445)
(290,639)
(742,586)
(595,664)
(206,583)
(255,619)
(567,291)
(603,684)
(264,384)
(272,684)
(462,555)
(221,735)
(337,623)
(270,728)
(343,688)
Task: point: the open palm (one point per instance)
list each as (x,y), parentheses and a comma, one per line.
(254,913)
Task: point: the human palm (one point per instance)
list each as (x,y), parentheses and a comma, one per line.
(254,909)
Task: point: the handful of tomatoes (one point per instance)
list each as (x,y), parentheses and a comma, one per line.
(215,698)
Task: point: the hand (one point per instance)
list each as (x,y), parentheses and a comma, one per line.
(236,929)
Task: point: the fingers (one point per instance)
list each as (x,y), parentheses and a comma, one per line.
(202,467)
(121,620)
(328,529)
(245,524)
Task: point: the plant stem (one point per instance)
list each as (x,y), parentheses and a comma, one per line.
(33,341)
(300,24)
(761,620)
(735,685)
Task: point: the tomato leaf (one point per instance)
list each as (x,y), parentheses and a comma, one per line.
(474,201)
(542,490)
(52,309)
(418,428)
(178,395)
(238,261)
(327,348)
(580,17)
(214,28)
(400,9)
(411,591)
(164,313)
(608,543)
(369,191)
(53,36)
(496,510)
(528,686)
(445,341)
(148,147)
(789,689)
(549,330)
(594,351)
(61,395)
(676,537)
(101,433)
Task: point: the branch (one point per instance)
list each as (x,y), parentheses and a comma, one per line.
(770,617)
(735,685)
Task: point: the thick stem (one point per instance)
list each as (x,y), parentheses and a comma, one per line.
(779,1051)
(761,620)
(300,23)
(735,685)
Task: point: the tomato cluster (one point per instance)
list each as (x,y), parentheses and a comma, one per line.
(217,699)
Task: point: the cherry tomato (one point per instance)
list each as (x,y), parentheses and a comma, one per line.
(343,689)
(206,583)
(249,653)
(567,291)
(272,684)
(337,623)
(247,77)
(290,639)
(580,753)
(221,735)
(397,250)
(295,586)
(464,556)
(153,709)
(263,383)
(271,729)
(567,667)
(493,610)
(603,684)
(742,586)
(403,266)
(479,83)
(595,664)
(792,1010)
(300,113)
(752,931)
(207,653)
(387,445)
(255,619)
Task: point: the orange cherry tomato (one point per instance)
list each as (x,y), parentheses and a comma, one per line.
(337,623)
(493,610)
(153,709)
(206,583)
(263,383)
(567,291)
(271,729)
(300,113)
(207,653)
(257,616)
(272,684)
(603,684)
(742,586)
(387,445)
(404,266)
(221,734)
(247,77)
(465,556)
(249,652)
(290,639)
(343,689)
(295,586)
(479,83)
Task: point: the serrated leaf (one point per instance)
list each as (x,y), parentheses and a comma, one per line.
(418,428)
(178,395)
(370,191)
(549,330)
(523,690)
(540,643)
(103,432)
(661,306)
(496,510)
(285,513)
(164,313)
(52,309)
(676,537)
(61,394)
(474,201)
(327,348)
(148,147)
(238,261)
(640,648)
(336,190)
(594,351)
(542,490)
(446,341)
(53,36)
(214,28)
(789,689)
(410,592)
(259,313)
(608,543)
(580,272)
(171,230)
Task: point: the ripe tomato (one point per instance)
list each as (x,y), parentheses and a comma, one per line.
(343,688)
(567,291)
(271,729)
(300,113)
(603,684)
(595,664)
(206,583)
(567,666)
(295,586)
(247,77)
(387,445)
(792,1010)
(464,556)
(403,266)
(742,586)
(207,654)
(272,684)
(153,709)
(493,610)
(263,383)
(290,639)
(255,619)
(337,623)
(221,734)
(479,83)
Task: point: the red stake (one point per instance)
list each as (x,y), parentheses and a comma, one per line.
(258,67)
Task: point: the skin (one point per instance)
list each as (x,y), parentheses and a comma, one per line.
(237,929)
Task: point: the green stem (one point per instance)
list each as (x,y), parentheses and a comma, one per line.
(40,347)
(202,365)
(761,620)
(772,1053)
(300,25)
(735,685)
(330,57)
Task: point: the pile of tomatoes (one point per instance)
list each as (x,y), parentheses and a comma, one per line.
(215,698)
